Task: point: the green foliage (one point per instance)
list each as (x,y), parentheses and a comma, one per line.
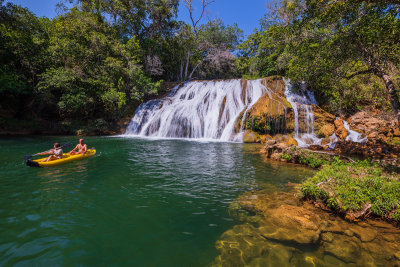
(311,160)
(348,187)
(342,49)
(396,216)
(22,44)
(287,157)
(92,73)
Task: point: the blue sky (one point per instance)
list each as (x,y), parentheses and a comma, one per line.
(245,13)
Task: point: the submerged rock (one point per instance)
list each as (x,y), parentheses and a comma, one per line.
(290,232)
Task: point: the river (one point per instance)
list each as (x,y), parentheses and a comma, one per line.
(137,202)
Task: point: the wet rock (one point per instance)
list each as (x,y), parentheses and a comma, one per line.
(243,245)
(365,234)
(344,248)
(333,261)
(285,221)
(291,141)
(295,233)
(326,130)
(397,255)
(251,137)
(341,132)
(322,119)
(306,260)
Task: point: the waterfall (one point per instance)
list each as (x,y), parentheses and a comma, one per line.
(302,102)
(353,135)
(199,110)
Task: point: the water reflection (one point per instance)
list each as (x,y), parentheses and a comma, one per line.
(135,199)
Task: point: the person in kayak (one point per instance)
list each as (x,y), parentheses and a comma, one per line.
(56,153)
(80,148)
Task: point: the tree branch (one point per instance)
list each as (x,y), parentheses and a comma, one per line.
(357,73)
(189,6)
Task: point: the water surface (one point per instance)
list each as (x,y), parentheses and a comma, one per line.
(137,202)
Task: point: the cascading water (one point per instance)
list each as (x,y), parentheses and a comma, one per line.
(200,110)
(302,102)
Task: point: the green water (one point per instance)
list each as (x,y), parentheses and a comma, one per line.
(137,202)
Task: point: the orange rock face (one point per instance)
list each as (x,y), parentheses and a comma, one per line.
(341,132)
(326,130)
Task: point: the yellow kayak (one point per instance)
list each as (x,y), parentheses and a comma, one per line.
(65,159)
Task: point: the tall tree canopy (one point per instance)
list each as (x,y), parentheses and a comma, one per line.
(332,45)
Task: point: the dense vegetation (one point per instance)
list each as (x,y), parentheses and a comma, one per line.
(89,66)
(97,59)
(356,189)
(347,51)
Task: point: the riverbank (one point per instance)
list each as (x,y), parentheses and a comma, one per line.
(356,190)
(350,187)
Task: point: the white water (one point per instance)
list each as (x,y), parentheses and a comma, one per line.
(302,102)
(198,110)
(353,135)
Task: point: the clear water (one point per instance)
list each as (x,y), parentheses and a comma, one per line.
(138,202)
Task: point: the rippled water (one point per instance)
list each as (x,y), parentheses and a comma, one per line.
(137,202)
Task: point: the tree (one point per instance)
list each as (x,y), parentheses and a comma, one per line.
(332,45)
(194,33)
(23,41)
(365,37)
(92,74)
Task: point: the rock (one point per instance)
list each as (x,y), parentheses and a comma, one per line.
(326,130)
(315,147)
(291,141)
(251,137)
(344,248)
(373,135)
(270,142)
(291,223)
(306,260)
(332,261)
(271,113)
(396,132)
(322,118)
(341,132)
(287,227)
(365,234)
(243,245)
(365,122)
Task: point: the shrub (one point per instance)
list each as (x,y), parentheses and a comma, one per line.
(350,186)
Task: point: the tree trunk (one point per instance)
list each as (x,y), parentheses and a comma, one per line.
(187,64)
(194,69)
(392,92)
(181,70)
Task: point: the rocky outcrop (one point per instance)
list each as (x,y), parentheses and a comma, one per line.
(379,127)
(271,114)
(280,230)
(323,122)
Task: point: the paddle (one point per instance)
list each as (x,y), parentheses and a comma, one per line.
(27,157)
